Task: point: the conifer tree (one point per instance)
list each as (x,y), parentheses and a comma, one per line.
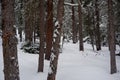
(56,42)
(111,37)
(11,67)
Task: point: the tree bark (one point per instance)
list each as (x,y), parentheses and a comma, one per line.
(28,22)
(81,47)
(49,32)
(111,37)
(35,20)
(56,42)
(19,16)
(11,67)
(74,32)
(97,27)
(41,25)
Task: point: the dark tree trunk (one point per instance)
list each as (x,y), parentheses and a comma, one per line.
(111,33)
(56,42)
(11,68)
(28,22)
(32,19)
(92,35)
(81,47)
(41,21)
(74,32)
(90,26)
(20,33)
(35,17)
(20,19)
(49,32)
(97,27)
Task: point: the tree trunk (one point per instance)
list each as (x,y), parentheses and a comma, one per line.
(35,17)
(49,32)
(41,21)
(74,32)
(111,33)
(19,16)
(11,68)
(56,42)
(97,27)
(81,47)
(28,22)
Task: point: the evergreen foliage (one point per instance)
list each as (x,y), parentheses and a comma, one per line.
(32,49)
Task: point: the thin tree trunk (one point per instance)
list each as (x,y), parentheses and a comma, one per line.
(91,27)
(35,21)
(81,47)
(41,20)
(111,37)
(49,32)
(56,42)
(11,68)
(28,26)
(20,19)
(97,27)
(93,33)
(74,32)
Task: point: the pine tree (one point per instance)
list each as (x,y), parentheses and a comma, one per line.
(19,17)
(56,42)
(111,37)
(97,26)
(42,34)
(81,47)
(28,22)
(49,29)
(74,32)
(11,67)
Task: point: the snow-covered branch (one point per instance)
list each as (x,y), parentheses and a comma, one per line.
(70,4)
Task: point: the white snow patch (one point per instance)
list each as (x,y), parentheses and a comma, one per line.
(50,71)
(70,4)
(56,32)
(56,23)
(54,35)
(12,58)
(73,64)
(52,56)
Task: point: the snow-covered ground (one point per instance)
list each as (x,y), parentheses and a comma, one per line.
(73,65)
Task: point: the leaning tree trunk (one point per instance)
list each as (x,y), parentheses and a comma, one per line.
(11,68)
(56,42)
(81,47)
(111,37)
(97,27)
(41,30)
(49,31)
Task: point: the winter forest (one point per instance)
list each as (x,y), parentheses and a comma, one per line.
(59,39)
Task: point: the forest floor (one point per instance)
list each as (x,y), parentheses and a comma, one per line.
(72,64)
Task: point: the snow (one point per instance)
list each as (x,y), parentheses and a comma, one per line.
(53,56)
(12,57)
(54,35)
(50,71)
(70,4)
(1,61)
(56,32)
(72,64)
(56,23)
